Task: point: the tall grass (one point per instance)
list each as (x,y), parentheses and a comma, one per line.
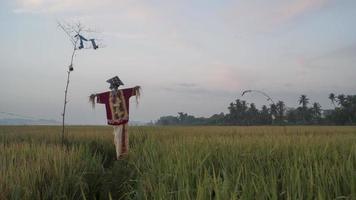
(180,163)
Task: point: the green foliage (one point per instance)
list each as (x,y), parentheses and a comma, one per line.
(345,112)
(179,163)
(242,113)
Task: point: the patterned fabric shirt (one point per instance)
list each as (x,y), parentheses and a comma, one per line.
(117,105)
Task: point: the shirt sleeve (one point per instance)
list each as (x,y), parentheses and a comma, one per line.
(129,92)
(102,97)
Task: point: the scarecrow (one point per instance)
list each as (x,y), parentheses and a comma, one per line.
(117,112)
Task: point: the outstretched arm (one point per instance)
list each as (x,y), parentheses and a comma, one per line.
(137,93)
(100,98)
(134,91)
(92,100)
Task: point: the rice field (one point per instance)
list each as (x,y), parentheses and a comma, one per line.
(272,162)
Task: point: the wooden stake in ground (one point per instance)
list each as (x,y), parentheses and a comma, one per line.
(74,32)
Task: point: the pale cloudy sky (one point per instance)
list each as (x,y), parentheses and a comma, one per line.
(193,56)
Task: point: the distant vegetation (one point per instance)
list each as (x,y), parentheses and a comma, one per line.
(242,113)
(24,121)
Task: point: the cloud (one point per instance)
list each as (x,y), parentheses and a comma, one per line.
(340,57)
(46,6)
(219,79)
(64,6)
(187,85)
(297,8)
(122,35)
(344,52)
(196,90)
(258,16)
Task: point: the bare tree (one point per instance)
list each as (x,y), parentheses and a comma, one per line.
(74,33)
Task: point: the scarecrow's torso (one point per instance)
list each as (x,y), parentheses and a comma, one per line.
(117,105)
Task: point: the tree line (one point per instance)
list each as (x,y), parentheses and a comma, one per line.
(307,113)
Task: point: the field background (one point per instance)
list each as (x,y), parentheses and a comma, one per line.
(272,162)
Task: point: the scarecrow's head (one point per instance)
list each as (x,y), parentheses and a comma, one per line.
(115,82)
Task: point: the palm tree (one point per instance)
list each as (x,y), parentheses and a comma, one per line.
(273,110)
(341,99)
(316,111)
(232,108)
(182,117)
(265,115)
(332,98)
(304,101)
(252,114)
(281,107)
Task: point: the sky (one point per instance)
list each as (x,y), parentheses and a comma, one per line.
(188,56)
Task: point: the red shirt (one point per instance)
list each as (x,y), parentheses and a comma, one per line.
(117,105)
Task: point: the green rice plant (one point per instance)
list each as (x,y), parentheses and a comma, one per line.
(271,162)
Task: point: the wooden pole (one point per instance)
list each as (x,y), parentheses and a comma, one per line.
(70,69)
